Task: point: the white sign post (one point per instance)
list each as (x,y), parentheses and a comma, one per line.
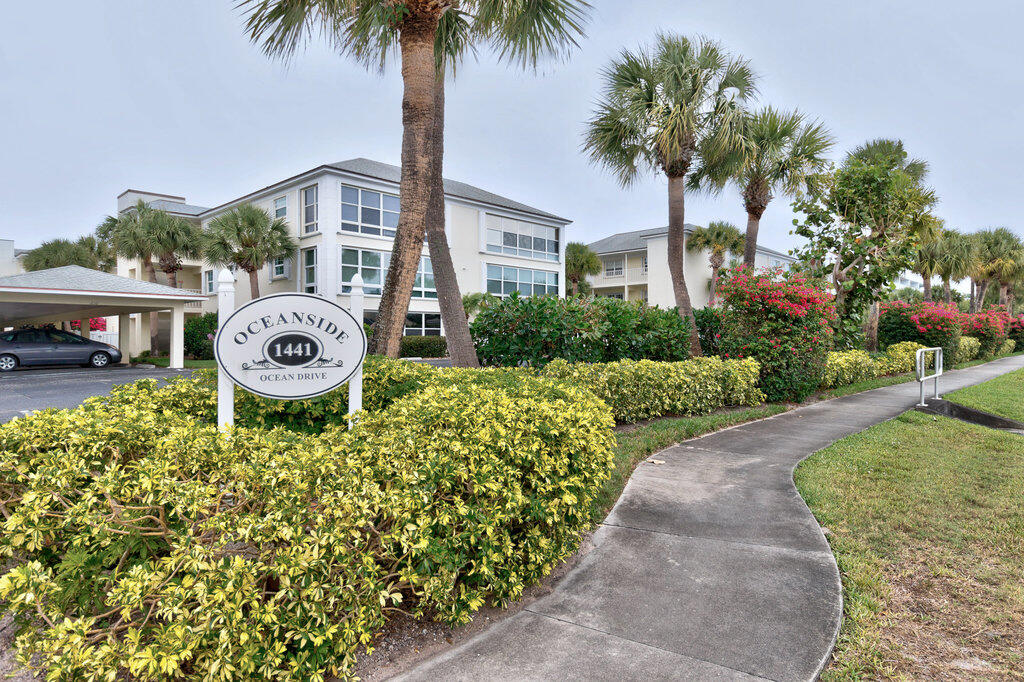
(225,389)
(355,384)
(289,347)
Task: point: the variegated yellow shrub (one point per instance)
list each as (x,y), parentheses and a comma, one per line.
(146,545)
(968,349)
(899,358)
(848,367)
(1008,347)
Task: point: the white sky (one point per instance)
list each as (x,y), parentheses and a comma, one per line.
(169,96)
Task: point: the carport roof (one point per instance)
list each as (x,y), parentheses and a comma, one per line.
(75,278)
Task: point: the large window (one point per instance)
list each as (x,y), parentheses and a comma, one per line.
(613,266)
(309,209)
(208,281)
(416,324)
(368,212)
(309,270)
(281,207)
(518,238)
(502,281)
(373,266)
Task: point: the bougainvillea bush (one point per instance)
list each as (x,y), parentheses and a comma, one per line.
(1017,330)
(783,322)
(990,326)
(934,325)
(96,324)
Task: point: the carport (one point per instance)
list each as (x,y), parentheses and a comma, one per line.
(76,293)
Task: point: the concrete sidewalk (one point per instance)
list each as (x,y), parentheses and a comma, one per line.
(709,567)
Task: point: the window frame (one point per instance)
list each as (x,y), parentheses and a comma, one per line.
(209,283)
(422,329)
(357,225)
(419,291)
(550,284)
(304,284)
(306,223)
(611,270)
(498,229)
(277,209)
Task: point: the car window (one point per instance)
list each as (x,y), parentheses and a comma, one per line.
(9,336)
(57,336)
(28,336)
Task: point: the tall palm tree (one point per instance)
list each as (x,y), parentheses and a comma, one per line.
(957,258)
(718,238)
(998,250)
(59,252)
(580,261)
(1009,264)
(673,108)
(130,234)
(173,239)
(928,254)
(782,150)
(247,237)
(369,30)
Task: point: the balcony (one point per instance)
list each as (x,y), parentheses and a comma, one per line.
(193,304)
(626,276)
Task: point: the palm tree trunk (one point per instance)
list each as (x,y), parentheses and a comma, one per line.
(254,284)
(973,307)
(172,278)
(575,286)
(676,249)
(982,291)
(154,318)
(947,292)
(418,75)
(714,286)
(872,328)
(1002,294)
(927,288)
(750,248)
(453,314)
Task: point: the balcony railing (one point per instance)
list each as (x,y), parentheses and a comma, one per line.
(626,276)
(193,304)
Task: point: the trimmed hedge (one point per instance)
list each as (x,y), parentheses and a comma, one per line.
(900,358)
(150,546)
(423,347)
(1008,347)
(848,367)
(709,329)
(535,330)
(968,350)
(930,324)
(197,331)
(643,389)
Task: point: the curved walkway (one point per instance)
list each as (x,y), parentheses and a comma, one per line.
(710,566)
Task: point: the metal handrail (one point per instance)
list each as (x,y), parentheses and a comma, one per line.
(922,371)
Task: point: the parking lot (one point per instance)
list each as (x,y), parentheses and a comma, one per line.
(27,390)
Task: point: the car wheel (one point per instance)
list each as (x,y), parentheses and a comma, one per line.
(8,363)
(99,360)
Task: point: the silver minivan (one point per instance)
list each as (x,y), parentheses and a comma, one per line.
(50,346)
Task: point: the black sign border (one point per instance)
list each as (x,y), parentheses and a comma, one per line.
(314,297)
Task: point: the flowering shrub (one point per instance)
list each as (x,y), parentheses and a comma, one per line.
(930,324)
(1017,330)
(848,367)
(96,324)
(784,323)
(968,350)
(644,389)
(199,332)
(990,326)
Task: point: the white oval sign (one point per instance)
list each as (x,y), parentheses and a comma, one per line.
(290,346)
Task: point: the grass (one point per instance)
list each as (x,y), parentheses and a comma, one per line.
(189,364)
(636,443)
(1003,395)
(924,516)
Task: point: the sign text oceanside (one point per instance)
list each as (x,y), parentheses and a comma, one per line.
(290,346)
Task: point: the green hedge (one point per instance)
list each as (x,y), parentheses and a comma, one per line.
(148,546)
(197,331)
(644,389)
(1008,347)
(423,347)
(848,367)
(969,349)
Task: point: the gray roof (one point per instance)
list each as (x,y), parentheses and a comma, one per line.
(389,173)
(636,241)
(177,207)
(77,279)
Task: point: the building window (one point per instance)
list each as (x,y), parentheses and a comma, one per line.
(518,238)
(618,295)
(281,207)
(502,281)
(309,270)
(208,281)
(373,266)
(368,212)
(613,267)
(279,268)
(309,209)
(643,264)
(416,324)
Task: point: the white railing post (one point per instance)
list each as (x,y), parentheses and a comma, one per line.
(355,384)
(922,371)
(225,387)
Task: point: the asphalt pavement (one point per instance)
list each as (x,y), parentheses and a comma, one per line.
(27,390)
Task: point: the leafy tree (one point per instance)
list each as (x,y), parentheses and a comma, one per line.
(580,261)
(428,35)
(862,222)
(719,238)
(957,259)
(782,149)
(673,108)
(247,237)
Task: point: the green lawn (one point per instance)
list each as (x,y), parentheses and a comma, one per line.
(189,364)
(924,515)
(1003,396)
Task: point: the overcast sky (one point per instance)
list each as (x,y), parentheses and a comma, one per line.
(96,97)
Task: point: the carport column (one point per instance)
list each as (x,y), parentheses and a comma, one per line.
(225,388)
(177,360)
(124,333)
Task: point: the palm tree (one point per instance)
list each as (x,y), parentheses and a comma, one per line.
(59,252)
(173,239)
(580,261)
(957,258)
(666,109)
(130,234)
(424,32)
(247,237)
(1008,267)
(782,150)
(718,238)
(928,254)
(998,252)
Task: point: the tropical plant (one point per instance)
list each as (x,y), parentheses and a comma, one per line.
(476,301)
(673,108)
(580,261)
(60,252)
(174,238)
(928,255)
(998,254)
(130,235)
(957,259)
(428,35)
(247,237)
(718,238)
(782,150)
